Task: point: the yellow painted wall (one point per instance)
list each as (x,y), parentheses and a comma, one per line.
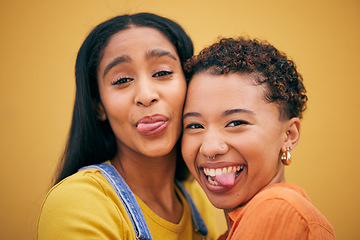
(38,45)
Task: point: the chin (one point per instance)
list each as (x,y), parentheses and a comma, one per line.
(224,206)
(157,153)
(226,203)
(159,149)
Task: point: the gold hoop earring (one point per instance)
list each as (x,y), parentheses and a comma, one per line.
(286,157)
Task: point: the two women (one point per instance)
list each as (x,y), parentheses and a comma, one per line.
(241,119)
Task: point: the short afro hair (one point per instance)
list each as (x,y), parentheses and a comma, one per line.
(267,65)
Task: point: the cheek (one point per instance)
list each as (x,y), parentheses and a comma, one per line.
(177,91)
(115,108)
(175,102)
(250,148)
(189,150)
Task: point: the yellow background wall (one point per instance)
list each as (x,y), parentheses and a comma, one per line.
(38,45)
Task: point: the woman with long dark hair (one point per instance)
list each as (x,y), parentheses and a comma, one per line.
(120,174)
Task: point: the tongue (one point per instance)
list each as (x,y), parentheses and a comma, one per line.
(226,180)
(142,127)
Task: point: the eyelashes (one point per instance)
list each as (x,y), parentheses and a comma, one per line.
(122,80)
(158,75)
(193,126)
(237,123)
(234,123)
(162,73)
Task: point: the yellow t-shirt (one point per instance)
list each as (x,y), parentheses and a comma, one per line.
(162,229)
(85,206)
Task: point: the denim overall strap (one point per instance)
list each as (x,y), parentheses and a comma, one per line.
(127,198)
(198,222)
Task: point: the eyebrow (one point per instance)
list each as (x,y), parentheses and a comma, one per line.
(237,110)
(115,62)
(124,59)
(159,53)
(225,113)
(191,114)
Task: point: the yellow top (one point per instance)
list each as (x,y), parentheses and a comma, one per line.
(85,206)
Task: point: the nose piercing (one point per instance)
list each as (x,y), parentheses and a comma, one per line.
(213,158)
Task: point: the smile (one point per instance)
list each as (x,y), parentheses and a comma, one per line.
(224,176)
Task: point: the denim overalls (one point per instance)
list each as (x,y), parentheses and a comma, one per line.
(132,207)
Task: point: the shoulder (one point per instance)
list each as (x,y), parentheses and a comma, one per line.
(82,203)
(286,209)
(291,197)
(79,186)
(283,193)
(291,203)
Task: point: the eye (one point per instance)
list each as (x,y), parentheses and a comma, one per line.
(122,80)
(162,73)
(237,123)
(193,126)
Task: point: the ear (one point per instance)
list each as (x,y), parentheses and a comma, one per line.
(100,110)
(292,134)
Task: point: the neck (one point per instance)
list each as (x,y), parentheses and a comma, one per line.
(152,180)
(279,177)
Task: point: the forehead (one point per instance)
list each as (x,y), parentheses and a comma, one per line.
(226,87)
(136,37)
(211,95)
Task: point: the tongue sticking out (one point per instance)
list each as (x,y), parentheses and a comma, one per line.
(143,127)
(226,180)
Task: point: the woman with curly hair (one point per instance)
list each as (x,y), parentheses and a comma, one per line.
(241,119)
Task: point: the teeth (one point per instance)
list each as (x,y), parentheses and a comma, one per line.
(212,172)
(219,171)
(213,182)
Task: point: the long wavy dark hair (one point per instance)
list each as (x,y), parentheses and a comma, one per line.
(91,141)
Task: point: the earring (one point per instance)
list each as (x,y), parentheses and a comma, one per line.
(286,157)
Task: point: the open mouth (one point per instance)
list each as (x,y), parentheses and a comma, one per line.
(224,176)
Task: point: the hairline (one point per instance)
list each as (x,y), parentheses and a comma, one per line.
(256,77)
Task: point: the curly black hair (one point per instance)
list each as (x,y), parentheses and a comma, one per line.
(266,64)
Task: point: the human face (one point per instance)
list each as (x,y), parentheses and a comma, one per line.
(226,116)
(142,89)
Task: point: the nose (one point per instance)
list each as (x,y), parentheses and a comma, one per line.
(146,93)
(213,144)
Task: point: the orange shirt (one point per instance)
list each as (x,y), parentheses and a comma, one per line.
(279,211)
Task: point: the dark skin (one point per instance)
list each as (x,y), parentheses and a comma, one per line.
(141,81)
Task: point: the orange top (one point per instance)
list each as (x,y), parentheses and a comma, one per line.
(279,211)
